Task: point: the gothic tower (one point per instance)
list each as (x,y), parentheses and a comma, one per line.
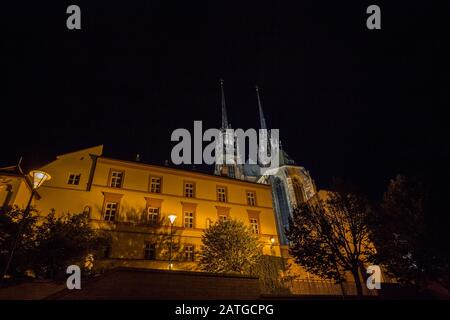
(229,166)
(291,184)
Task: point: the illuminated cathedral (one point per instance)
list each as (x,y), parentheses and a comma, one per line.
(291,183)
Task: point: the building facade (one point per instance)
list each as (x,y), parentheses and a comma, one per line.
(15,187)
(132,201)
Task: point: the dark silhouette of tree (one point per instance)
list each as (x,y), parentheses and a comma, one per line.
(404,238)
(62,241)
(48,245)
(229,247)
(329,234)
(10,219)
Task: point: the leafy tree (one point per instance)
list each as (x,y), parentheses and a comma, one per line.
(12,222)
(330,235)
(274,274)
(229,247)
(62,241)
(405,240)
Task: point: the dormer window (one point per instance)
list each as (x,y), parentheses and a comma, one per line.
(74,179)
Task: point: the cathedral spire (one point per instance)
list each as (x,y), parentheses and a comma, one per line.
(263,125)
(261,114)
(224,107)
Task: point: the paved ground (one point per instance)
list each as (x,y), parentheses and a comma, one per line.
(34,290)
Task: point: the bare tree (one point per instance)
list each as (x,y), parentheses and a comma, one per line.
(329,234)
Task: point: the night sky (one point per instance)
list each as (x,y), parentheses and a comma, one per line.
(349,102)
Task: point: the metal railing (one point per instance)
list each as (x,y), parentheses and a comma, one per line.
(310,287)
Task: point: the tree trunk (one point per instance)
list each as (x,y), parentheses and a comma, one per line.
(359,290)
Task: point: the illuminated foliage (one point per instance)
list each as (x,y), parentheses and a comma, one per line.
(229,247)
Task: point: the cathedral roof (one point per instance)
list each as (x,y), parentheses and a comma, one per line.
(285,159)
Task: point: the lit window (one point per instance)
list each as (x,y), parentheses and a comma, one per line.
(188,219)
(221,194)
(153,215)
(116,179)
(150,251)
(189,253)
(251,198)
(298,190)
(111,210)
(254,225)
(74,178)
(155,185)
(189,189)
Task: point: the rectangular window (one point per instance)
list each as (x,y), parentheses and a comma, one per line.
(221,194)
(251,198)
(254,225)
(74,178)
(111,211)
(188,219)
(116,179)
(222,217)
(153,215)
(155,184)
(189,189)
(150,251)
(189,254)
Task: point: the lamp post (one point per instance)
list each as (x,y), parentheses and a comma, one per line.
(38,178)
(172,218)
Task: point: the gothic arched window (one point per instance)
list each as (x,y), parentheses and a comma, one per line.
(298,190)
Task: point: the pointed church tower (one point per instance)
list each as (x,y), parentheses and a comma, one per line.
(230,167)
(224,108)
(263,125)
(262,120)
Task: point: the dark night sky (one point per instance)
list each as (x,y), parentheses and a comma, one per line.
(348,101)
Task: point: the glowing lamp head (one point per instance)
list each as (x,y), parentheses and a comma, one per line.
(39,177)
(272,240)
(172,218)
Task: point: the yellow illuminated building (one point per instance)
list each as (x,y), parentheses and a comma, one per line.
(15,187)
(132,201)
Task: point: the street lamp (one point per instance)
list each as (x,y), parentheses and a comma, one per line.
(172,218)
(38,178)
